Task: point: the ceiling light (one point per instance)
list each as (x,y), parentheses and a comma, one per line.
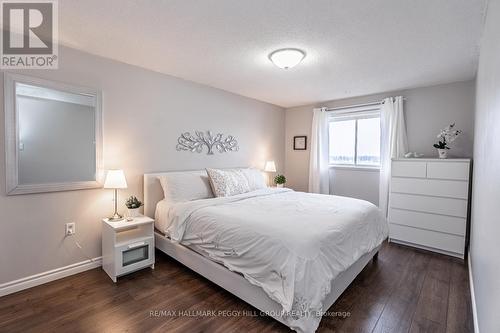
(287,58)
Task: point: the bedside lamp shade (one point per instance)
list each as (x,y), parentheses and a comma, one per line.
(270,166)
(115,179)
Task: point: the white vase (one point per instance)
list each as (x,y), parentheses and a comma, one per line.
(133,212)
(443,153)
(280,185)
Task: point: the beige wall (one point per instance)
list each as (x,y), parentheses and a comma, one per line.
(143,114)
(427,110)
(485,221)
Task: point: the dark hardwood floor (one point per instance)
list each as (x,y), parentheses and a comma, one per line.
(405,290)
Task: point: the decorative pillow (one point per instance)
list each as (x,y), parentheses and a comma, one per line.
(255,178)
(186,186)
(228,182)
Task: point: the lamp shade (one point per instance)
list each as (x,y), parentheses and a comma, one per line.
(115,179)
(270,166)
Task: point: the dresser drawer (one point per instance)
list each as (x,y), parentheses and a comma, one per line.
(130,257)
(441,223)
(448,170)
(409,169)
(440,188)
(433,239)
(445,206)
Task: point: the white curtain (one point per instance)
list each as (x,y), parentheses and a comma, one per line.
(393,144)
(319,179)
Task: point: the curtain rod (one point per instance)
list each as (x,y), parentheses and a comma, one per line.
(357,105)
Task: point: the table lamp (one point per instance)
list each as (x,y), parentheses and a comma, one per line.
(115,179)
(269,167)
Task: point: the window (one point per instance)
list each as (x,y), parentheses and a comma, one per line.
(355,139)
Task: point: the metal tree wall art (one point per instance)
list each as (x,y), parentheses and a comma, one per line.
(195,143)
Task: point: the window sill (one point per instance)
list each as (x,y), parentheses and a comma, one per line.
(355,167)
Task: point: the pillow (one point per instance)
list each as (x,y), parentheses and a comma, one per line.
(186,186)
(228,182)
(255,178)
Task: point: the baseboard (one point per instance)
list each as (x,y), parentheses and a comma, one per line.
(55,274)
(427,248)
(472,296)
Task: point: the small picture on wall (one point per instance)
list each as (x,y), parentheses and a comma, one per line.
(300,142)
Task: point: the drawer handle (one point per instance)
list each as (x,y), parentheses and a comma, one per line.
(133,246)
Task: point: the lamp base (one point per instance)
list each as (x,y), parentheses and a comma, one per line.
(115,218)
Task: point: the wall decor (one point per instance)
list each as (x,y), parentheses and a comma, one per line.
(195,143)
(300,142)
(43,152)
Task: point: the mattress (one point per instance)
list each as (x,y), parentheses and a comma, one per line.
(291,244)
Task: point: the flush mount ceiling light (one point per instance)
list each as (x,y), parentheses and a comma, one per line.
(287,58)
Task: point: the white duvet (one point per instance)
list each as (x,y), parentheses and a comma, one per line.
(291,244)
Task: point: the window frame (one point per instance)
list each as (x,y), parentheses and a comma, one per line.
(354,114)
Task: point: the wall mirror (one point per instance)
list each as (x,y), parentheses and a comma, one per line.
(52,135)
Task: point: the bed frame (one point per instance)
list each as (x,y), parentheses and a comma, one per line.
(233,282)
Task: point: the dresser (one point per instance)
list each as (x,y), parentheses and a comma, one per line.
(429,204)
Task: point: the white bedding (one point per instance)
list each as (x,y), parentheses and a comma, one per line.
(291,244)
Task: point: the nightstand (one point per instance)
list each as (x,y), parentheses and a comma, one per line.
(127,246)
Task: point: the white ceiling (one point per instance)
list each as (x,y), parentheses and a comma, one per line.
(354,47)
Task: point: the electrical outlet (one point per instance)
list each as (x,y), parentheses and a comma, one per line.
(70,229)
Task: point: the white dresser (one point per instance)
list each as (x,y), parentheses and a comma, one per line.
(428,204)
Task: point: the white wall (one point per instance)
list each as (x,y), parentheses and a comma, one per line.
(143,114)
(427,110)
(356,183)
(485,222)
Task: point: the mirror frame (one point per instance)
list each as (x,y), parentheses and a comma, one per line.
(12,137)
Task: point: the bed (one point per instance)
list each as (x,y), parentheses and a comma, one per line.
(271,247)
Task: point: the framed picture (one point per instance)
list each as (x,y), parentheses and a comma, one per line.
(300,142)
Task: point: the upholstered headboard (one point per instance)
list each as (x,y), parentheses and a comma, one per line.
(152,193)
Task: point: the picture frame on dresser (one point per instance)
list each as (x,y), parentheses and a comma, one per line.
(429,204)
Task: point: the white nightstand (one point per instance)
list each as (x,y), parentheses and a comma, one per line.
(127,246)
